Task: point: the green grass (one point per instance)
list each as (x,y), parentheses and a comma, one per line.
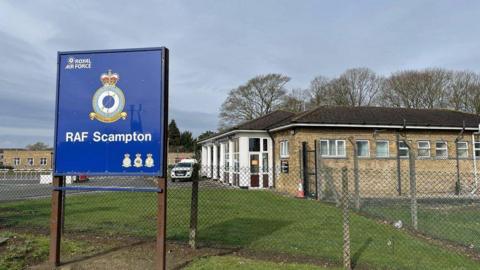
(233,263)
(257,220)
(22,250)
(457,223)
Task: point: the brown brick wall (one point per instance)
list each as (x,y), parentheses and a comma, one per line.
(24,155)
(378,176)
(173,157)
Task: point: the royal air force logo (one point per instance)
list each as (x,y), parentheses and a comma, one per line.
(108,101)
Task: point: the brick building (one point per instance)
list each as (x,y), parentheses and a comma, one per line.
(23,159)
(445,144)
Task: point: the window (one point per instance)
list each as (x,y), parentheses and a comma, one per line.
(477,149)
(332,148)
(236,156)
(226,157)
(265,168)
(30,161)
(283,149)
(423,149)
(16,161)
(402,149)
(382,149)
(441,150)
(43,161)
(363,148)
(254,144)
(265,145)
(462,149)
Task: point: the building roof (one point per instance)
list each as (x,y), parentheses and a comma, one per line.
(387,116)
(361,116)
(262,123)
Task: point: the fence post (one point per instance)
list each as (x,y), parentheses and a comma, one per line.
(346,221)
(458,183)
(318,170)
(193,214)
(301,161)
(355,174)
(399,172)
(413,185)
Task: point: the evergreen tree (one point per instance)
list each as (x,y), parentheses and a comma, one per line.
(186,141)
(173,135)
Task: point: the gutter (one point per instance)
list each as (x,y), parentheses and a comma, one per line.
(371,126)
(231,132)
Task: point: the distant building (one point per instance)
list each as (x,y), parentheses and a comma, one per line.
(23,159)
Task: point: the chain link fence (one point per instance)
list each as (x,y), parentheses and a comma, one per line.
(344,215)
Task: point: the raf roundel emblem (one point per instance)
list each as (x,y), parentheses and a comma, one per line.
(108,101)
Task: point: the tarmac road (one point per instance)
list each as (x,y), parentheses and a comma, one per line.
(20,189)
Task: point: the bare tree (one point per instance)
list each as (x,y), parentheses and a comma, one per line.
(37,146)
(417,89)
(296,100)
(356,87)
(319,93)
(259,96)
(463,90)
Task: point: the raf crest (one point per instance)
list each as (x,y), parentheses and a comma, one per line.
(108,101)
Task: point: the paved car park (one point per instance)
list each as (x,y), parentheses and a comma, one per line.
(30,187)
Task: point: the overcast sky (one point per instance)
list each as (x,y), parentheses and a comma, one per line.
(218,45)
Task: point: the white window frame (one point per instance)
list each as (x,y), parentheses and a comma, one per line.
(399,148)
(368,148)
(388,148)
(284,153)
(429,148)
(15,163)
(43,163)
(476,147)
(462,148)
(442,148)
(336,155)
(28,161)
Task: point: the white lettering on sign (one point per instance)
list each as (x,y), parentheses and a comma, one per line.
(75,136)
(101,137)
(78,63)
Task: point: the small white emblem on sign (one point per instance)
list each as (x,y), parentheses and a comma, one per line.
(149,161)
(138,161)
(127,162)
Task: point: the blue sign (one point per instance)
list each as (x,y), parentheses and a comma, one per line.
(111,112)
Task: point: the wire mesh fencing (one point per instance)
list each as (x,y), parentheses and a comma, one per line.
(396,219)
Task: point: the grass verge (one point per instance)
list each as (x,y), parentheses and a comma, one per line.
(255,220)
(232,262)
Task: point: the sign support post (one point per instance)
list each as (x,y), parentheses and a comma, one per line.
(161,262)
(55,220)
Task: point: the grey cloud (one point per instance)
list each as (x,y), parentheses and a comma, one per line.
(217,45)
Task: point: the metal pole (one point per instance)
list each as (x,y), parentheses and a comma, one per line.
(55,221)
(194,214)
(355,174)
(399,173)
(346,221)
(457,186)
(161,224)
(413,186)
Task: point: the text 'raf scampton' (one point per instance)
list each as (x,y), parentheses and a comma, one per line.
(101,137)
